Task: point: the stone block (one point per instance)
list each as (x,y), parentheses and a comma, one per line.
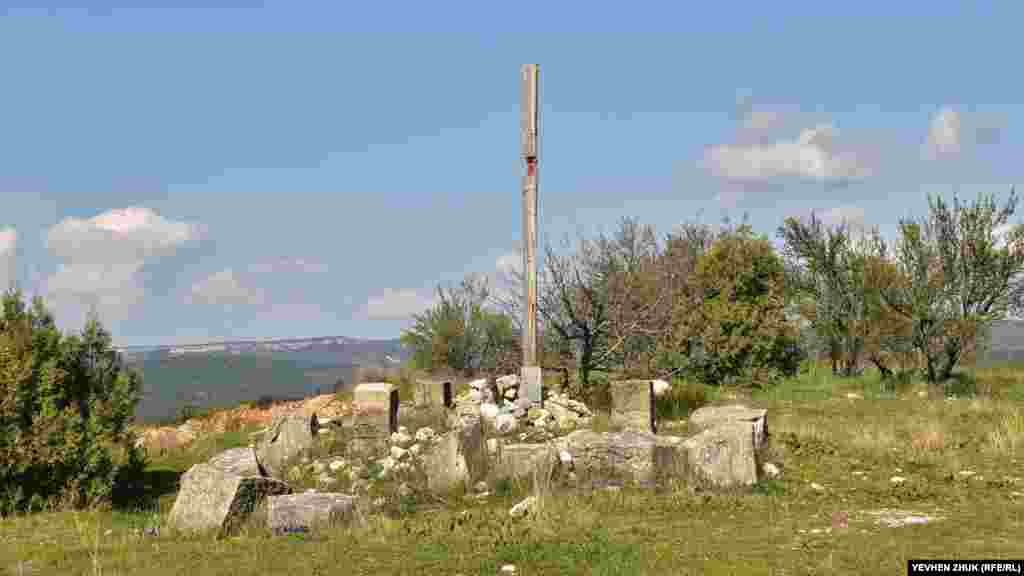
(375,405)
(210,498)
(711,416)
(308,511)
(434,394)
(531,382)
(288,438)
(722,456)
(633,405)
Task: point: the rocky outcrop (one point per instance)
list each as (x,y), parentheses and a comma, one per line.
(211,498)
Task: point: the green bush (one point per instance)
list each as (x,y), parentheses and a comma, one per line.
(66,406)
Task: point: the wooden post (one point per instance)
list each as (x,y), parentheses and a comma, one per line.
(531,377)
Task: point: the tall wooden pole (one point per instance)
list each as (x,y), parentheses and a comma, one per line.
(530,130)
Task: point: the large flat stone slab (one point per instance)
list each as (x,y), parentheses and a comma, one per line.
(239,461)
(309,511)
(210,498)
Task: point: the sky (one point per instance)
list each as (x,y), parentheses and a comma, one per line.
(197,171)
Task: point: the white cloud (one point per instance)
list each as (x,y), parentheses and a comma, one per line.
(952,132)
(8,243)
(224,288)
(814,155)
(943,134)
(398,304)
(289,265)
(103,256)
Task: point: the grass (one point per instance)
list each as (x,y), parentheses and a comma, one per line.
(959,458)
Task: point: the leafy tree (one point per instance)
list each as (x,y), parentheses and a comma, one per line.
(738,330)
(959,277)
(65,409)
(459,333)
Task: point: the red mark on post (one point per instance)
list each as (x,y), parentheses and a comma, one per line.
(531,167)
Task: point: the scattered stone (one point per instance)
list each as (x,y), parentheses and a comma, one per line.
(481,486)
(401,439)
(897,479)
(425,434)
(337,465)
(565,457)
(817,487)
(771,470)
(488,411)
(898,518)
(523,508)
(853,396)
(660,387)
(398,453)
(505,423)
(508,569)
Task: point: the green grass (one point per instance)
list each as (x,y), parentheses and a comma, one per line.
(781,526)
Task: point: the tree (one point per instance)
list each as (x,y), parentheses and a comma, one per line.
(66,405)
(830,276)
(737,330)
(459,333)
(960,277)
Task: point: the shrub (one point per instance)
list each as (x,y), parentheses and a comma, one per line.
(65,409)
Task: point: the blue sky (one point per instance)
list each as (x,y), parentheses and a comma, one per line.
(289,169)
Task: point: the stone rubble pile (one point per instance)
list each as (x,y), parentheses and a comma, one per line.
(488,433)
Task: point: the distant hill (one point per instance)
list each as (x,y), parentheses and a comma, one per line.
(226,373)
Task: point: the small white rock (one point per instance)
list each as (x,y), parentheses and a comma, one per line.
(337,465)
(508,569)
(488,411)
(660,387)
(897,479)
(401,439)
(771,470)
(816,486)
(523,508)
(565,457)
(425,434)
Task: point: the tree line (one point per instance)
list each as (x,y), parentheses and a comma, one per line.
(723,305)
